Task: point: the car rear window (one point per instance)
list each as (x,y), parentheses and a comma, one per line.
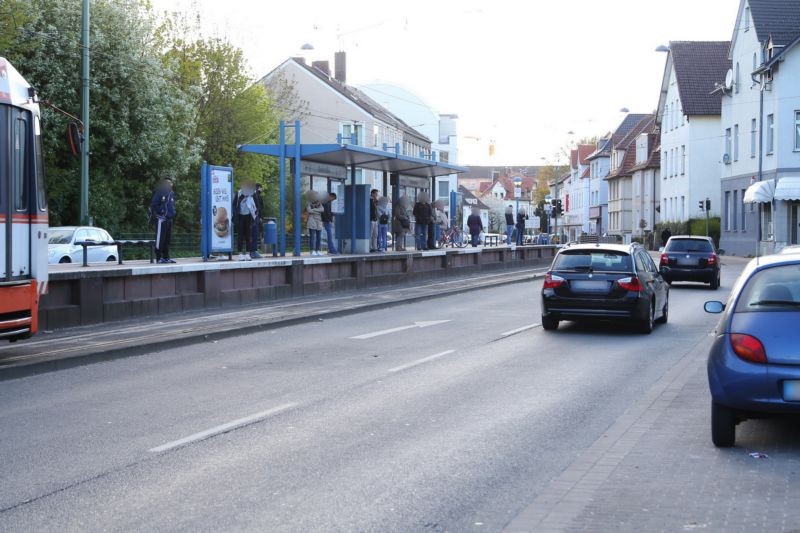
(774,288)
(598,261)
(689,245)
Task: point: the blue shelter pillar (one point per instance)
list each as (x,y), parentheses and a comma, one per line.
(297,204)
(282,189)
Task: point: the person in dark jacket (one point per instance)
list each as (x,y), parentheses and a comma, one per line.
(422,218)
(327,222)
(522,216)
(373,220)
(475,225)
(162,206)
(665,235)
(256,225)
(509,224)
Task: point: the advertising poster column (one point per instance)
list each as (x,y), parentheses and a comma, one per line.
(217,210)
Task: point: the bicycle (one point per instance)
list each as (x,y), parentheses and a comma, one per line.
(453,237)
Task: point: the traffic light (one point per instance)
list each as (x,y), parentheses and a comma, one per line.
(557,209)
(708,204)
(701,204)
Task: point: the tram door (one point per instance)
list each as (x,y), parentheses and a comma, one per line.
(15,198)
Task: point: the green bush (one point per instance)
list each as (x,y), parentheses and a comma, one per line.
(694,226)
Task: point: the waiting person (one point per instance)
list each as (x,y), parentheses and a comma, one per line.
(162,207)
(327,222)
(509,224)
(373,220)
(475,226)
(259,219)
(401,223)
(384,216)
(422,218)
(314,223)
(245,212)
(522,216)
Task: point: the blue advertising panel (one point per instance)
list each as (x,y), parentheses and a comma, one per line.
(216,205)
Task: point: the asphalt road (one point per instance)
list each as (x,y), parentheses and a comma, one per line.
(348,424)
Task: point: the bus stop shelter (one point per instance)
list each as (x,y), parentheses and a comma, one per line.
(350,156)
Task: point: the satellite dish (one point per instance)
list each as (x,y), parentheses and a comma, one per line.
(729,79)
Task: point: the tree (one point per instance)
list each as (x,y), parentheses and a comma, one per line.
(141,121)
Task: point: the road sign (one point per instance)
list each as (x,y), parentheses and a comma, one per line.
(517,191)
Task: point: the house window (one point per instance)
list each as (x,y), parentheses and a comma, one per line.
(797,130)
(665,117)
(666,164)
(736,79)
(683,208)
(727,145)
(755,65)
(735,142)
(770,133)
(744,218)
(727,210)
(746,18)
(735,208)
(766,221)
(376,134)
(683,159)
(753,138)
(348,128)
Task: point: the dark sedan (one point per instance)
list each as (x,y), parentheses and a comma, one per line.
(691,258)
(602,282)
(754,362)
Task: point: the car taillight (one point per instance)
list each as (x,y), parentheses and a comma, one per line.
(664,259)
(553,282)
(630,284)
(712,259)
(748,348)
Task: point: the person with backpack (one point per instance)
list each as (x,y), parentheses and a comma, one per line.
(384,216)
(245,212)
(162,214)
(509,224)
(522,216)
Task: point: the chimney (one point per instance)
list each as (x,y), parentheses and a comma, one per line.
(300,59)
(322,66)
(340,66)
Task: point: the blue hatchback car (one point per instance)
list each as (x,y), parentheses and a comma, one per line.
(754,363)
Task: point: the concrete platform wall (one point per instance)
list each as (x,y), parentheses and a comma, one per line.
(107,294)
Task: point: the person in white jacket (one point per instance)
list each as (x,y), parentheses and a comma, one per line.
(314,223)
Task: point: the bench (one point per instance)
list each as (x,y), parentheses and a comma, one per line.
(119,244)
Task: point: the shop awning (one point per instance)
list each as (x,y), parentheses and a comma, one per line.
(788,188)
(760,192)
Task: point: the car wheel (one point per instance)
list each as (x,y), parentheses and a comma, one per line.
(646,325)
(664,313)
(65,260)
(111,258)
(723,426)
(714,283)
(549,322)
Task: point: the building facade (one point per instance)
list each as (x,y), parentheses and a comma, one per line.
(760,178)
(688,119)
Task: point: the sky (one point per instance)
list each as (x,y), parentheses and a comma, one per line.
(523,74)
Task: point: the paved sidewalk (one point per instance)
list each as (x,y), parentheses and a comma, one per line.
(50,351)
(655,469)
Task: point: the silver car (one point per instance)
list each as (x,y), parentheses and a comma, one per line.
(62,247)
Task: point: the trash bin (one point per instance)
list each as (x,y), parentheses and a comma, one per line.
(437,232)
(271,235)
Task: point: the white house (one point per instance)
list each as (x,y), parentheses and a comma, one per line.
(335,108)
(760,188)
(576,193)
(688,119)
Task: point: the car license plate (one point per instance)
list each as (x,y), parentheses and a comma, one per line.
(688,261)
(589,286)
(791,391)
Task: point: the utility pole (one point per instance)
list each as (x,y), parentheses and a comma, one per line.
(708,208)
(85,114)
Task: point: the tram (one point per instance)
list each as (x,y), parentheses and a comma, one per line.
(23,207)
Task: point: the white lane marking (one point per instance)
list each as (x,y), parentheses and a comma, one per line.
(518,330)
(421,361)
(223,428)
(423,324)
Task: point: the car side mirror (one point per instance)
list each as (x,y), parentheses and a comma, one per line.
(714,307)
(720,252)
